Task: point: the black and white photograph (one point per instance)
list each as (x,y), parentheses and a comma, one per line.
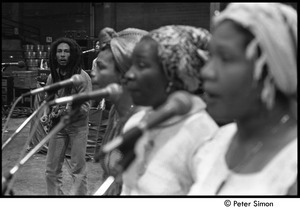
(134,100)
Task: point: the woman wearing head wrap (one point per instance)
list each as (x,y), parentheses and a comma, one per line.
(251,78)
(167,60)
(97,49)
(112,63)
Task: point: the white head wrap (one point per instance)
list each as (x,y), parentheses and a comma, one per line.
(122,44)
(274,27)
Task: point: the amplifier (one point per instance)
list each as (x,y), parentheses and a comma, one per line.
(27,101)
(7,89)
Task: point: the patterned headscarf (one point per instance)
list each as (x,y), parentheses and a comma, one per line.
(274,27)
(121,44)
(182,52)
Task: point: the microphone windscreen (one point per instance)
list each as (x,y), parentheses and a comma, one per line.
(77,79)
(115,91)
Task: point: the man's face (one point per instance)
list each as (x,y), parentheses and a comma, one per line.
(63,54)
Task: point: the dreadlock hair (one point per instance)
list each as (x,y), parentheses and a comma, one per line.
(74,65)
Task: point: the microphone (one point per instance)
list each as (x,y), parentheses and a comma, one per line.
(113,91)
(20,64)
(178,103)
(74,80)
(87,51)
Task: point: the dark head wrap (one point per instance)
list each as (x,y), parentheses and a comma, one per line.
(182,50)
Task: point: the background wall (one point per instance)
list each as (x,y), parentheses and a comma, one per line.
(34,22)
(149,16)
(53,19)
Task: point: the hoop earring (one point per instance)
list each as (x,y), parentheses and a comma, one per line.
(268,93)
(169,87)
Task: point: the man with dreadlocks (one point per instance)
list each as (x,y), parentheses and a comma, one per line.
(65,61)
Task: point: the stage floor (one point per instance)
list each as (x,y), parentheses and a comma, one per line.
(30,178)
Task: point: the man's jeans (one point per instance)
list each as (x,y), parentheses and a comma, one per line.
(77,138)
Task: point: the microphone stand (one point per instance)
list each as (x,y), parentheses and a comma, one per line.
(26,121)
(8,180)
(119,168)
(97,147)
(23,125)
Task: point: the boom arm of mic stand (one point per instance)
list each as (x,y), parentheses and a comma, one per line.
(26,121)
(105,186)
(63,122)
(23,125)
(120,168)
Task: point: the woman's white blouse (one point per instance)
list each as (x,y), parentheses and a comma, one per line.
(164,155)
(274,179)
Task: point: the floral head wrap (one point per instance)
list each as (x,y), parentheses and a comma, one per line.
(274,27)
(121,43)
(182,52)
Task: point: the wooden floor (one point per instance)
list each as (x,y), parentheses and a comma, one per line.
(29,180)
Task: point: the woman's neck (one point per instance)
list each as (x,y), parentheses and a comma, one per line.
(162,101)
(264,124)
(259,138)
(124,104)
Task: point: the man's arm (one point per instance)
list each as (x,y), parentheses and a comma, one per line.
(85,87)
